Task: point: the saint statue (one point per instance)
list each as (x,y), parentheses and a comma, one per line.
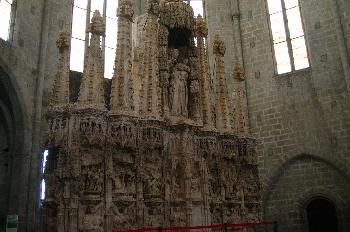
(179,90)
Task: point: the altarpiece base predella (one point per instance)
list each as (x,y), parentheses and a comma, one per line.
(171,148)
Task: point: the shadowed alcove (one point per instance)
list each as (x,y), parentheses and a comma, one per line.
(321,215)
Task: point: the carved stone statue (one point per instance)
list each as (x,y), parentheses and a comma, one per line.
(179,89)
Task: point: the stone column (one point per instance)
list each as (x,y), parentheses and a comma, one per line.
(122,85)
(108,192)
(92,89)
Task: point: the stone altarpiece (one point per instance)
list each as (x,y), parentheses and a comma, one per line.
(167,150)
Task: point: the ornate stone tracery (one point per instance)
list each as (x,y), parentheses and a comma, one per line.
(157,157)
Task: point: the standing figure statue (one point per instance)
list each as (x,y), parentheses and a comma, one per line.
(179,90)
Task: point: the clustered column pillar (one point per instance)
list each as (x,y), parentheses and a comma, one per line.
(202,33)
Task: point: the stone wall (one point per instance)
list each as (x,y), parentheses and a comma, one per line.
(3,172)
(304,112)
(344,7)
(27,63)
(288,196)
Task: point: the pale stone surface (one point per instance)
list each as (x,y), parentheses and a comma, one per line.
(91,89)
(161,163)
(60,95)
(300,120)
(122,83)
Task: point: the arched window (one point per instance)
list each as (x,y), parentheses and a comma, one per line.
(288,35)
(6,8)
(82,14)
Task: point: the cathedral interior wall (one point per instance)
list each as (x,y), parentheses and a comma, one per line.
(3,171)
(344,7)
(304,112)
(28,61)
(287,198)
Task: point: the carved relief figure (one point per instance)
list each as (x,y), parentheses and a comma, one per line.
(253,214)
(92,223)
(151,175)
(179,181)
(153,215)
(228,178)
(179,89)
(164,80)
(178,216)
(214,181)
(232,213)
(124,181)
(216,214)
(125,216)
(196,178)
(94,179)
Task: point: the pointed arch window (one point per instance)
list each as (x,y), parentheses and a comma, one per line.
(82,14)
(288,35)
(6,19)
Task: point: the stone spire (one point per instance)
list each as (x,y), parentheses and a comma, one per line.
(201,33)
(60,95)
(222,100)
(149,64)
(91,88)
(122,83)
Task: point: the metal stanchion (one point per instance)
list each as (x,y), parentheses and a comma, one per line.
(275,226)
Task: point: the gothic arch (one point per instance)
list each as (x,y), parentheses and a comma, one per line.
(327,195)
(10,98)
(12,124)
(335,163)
